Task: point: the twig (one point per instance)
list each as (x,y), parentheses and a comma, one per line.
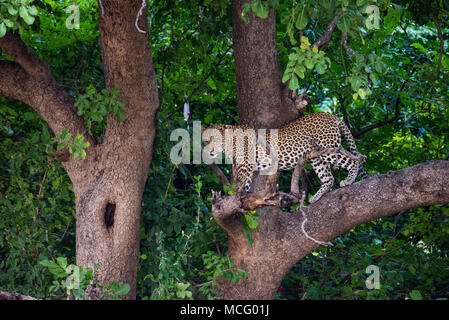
(343,109)
(440,37)
(39,195)
(326,37)
(62,238)
(168,185)
(321,43)
(385,122)
(227,113)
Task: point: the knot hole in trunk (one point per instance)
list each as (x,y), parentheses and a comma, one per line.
(109,215)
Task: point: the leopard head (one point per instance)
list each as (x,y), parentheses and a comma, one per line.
(213,138)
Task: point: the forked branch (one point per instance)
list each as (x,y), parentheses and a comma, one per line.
(29,79)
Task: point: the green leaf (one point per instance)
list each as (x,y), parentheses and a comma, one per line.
(65,135)
(309,63)
(320,68)
(302,20)
(32,10)
(11,10)
(286,76)
(79,139)
(293,84)
(62,262)
(54,268)
(211,83)
(361,93)
(8,23)
(122,290)
(344,26)
(415,295)
(445,62)
(260,9)
(252,221)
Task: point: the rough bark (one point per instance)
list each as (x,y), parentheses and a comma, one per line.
(280,243)
(124,157)
(109,183)
(258,74)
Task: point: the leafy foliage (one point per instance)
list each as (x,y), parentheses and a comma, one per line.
(76,146)
(95,106)
(73,281)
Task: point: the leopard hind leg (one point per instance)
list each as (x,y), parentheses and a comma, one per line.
(352,166)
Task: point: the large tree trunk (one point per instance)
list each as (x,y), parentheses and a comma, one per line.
(258,74)
(125,155)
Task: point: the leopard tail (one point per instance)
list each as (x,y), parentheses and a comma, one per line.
(347,135)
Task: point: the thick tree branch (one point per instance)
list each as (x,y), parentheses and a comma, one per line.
(257,62)
(344,43)
(12,45)
(281,243)
(14,296)
(379,196)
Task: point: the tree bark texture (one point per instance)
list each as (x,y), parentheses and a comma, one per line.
(258,75)
(281,243)
(109,183)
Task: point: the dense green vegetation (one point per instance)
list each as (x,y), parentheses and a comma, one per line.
(396,75)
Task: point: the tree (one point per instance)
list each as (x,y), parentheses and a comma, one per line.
(114,171)
(381,79)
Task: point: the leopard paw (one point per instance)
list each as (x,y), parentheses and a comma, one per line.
(315,198)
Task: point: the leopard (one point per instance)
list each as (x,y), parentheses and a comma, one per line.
(294,140)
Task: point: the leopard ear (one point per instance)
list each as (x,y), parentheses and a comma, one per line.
(204,128)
